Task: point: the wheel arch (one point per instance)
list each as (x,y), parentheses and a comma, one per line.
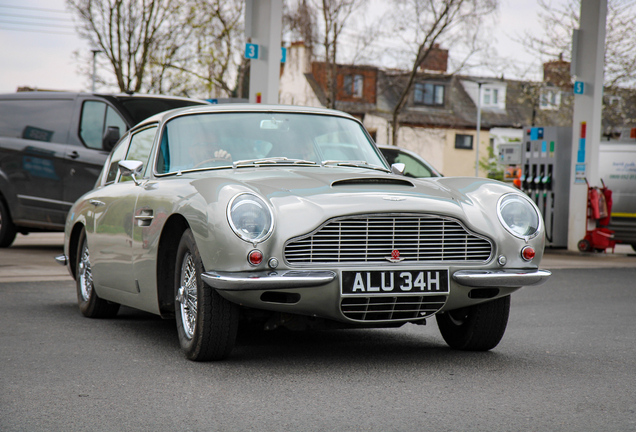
(73,241)
(166,256)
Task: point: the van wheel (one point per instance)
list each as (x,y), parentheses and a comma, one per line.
(7,229)
(89,302)
(206,323)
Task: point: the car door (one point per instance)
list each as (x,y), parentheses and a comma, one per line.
(85,156)
(112,259)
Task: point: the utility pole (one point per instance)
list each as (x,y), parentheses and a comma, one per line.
(95,52)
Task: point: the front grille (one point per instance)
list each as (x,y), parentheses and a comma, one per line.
(372,238)
(396,308)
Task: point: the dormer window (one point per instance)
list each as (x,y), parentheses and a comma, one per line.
(428,94)
(353,85)
(550,98)
(490,97)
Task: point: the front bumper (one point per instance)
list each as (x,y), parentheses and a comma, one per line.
(242,281)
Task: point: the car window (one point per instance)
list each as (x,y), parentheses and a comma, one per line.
(414,167)
(117,154)
(96,118)
(140,146)
(218,139)
(45,120)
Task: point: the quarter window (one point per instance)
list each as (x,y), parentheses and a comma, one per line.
(428,94)
(140,146)
(113,163)
(96,118)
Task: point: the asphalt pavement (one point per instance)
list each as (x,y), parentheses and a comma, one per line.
(566,363)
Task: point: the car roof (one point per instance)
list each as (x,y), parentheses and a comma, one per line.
(238,107)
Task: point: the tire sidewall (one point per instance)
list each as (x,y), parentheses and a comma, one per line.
(7,228)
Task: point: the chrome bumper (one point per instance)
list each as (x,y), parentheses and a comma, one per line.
(242,281)
(61,259)
(501,278)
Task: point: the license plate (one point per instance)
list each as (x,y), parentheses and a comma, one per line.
(394,282)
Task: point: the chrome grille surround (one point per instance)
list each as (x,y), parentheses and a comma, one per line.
(391,308)
(364,239)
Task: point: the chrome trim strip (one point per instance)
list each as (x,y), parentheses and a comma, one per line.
(501,278)
(245,281)
(61,259)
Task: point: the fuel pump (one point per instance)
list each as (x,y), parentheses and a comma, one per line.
(545,178)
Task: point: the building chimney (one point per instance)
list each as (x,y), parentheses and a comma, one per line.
(436,60)
(557,72)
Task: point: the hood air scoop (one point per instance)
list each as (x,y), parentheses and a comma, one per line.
(372,181)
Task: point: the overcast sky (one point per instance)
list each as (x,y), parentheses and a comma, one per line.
(42,56)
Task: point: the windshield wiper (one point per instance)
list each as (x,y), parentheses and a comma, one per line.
(271,161)
(356,164)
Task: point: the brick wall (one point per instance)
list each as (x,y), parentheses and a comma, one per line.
(369,74)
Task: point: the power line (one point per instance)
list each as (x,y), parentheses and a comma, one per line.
(37,31)
(34,17)
(34,9)
(36,24)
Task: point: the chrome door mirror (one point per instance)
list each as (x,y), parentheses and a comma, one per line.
(131,168)
(398,168)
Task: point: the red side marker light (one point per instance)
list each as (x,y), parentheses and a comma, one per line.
(255,257)
(527,253)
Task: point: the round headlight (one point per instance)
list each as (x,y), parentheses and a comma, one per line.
(518,216)
(250,218)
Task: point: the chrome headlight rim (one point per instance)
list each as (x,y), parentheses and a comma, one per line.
(534,208)
(261,238)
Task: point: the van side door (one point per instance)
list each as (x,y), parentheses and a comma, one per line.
(85,155)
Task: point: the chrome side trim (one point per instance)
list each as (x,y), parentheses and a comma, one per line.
(244,281)
(501,278)
(61,259)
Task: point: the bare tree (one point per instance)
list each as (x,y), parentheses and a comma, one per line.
(127,32)
(423,23)
(558,21)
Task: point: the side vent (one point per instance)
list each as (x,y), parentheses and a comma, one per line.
(372,181)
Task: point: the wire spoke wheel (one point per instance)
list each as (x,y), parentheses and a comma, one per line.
(85,276)
(187,296)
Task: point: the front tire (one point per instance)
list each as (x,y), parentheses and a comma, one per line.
(475,328)
(89,302)
(7,228)
(206,323)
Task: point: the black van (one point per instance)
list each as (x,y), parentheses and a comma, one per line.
(53,146)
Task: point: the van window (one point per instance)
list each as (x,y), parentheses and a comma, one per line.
(36,119)
(96,118)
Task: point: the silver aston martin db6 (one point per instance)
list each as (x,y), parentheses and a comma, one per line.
(290,217)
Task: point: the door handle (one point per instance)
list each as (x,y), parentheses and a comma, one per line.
(73,154)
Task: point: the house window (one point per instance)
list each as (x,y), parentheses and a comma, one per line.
(354,85)
(428,94)
(550,99)
(490,97)
(464,142)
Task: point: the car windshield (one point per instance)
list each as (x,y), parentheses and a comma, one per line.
(219,140)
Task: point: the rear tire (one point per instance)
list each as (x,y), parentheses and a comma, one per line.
(206,323)
(7,228)
(475,328)
(89,302)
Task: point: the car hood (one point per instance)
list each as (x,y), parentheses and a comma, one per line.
(315,194)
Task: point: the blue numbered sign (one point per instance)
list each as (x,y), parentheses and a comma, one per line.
(579,87)
(251,51)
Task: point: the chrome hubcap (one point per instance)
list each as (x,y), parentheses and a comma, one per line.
(85,274)
(187,295)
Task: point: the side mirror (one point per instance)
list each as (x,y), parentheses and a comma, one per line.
(111,136)
(398,168)
(131,168)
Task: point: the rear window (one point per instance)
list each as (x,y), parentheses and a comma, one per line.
(141,108)
(36,119)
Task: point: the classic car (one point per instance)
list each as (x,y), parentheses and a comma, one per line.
(414,164)
(281,216)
